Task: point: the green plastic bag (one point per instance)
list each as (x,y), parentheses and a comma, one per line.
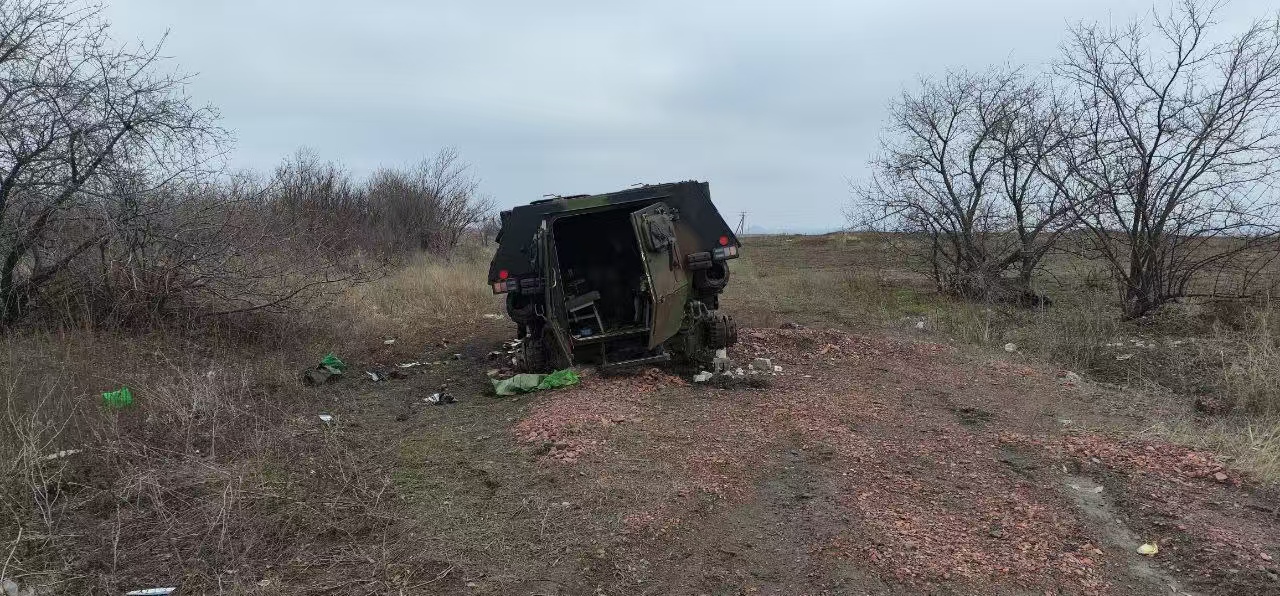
(120,398)
(528,382)
(332,364)
(558,379)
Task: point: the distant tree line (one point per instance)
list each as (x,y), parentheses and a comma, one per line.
(1153,146)
(112,200)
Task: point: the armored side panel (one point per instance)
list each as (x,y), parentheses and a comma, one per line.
(664,269)
(699,221)
(626,278)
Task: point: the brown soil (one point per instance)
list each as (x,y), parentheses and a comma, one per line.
(869,466)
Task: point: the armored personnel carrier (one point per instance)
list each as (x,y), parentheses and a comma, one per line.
(618,279)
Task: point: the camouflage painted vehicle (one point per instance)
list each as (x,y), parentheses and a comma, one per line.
(623,278)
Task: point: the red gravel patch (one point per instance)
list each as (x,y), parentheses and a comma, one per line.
(921,497)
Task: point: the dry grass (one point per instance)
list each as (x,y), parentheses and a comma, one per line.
(1221,355)
(221,467)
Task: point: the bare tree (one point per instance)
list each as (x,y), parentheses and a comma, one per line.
(1177,147)
(429,206)
(78,115)
(961,167)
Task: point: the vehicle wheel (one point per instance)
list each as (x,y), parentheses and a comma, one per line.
(713,278)
(533,354)
(555,360)
(721,330)
(520,308)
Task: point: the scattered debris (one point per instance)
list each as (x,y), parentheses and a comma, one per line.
(527,382)
(1011,347)
(329,370)
(410,364)
(1149,549)
(11,588)
(1123,356)
(326,418)
(61,454)
(457,356)
(920,325)
(777,368)
(120,398)
(388,342)
(494,316)
(1097,490)
(1068,378)
(152,592)
(375,376)
(703,377)
(441,399)
(762,365)
(721,363)
(333,364)
(1220,476)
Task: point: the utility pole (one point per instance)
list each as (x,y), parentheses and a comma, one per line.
(742,223)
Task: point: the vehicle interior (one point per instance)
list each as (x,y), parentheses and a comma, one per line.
(600,263)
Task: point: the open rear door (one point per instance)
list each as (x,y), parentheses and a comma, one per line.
(666,277)
(555,308)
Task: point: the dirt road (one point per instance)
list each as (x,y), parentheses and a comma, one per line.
(869,466)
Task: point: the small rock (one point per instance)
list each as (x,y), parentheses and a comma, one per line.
(762,364)
(920,325)
(388,342)
(703,377)
(1011,347)
(1264,556)
(1220,477)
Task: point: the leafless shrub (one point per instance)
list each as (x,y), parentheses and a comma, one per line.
(80,115)
(1174,160)
(428,207)
(960,168)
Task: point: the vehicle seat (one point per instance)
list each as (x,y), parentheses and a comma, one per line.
(581,309)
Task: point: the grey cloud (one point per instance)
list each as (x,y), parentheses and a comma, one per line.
(776,104)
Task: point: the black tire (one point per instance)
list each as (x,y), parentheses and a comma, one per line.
(713,278)
(520,308)
(533,355)
(722,332)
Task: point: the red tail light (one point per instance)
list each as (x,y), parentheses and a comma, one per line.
(724,241)
(503,274)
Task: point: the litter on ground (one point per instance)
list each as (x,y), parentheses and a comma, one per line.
(61,454)
(440,399)
(528,382)
(120,398)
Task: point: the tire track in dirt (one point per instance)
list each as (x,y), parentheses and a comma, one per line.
(936,474)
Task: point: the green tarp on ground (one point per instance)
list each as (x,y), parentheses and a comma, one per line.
(525,383)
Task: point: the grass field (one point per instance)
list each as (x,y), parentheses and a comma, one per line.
(1221,354)
(222,465)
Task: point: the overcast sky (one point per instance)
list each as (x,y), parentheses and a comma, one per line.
(776,104)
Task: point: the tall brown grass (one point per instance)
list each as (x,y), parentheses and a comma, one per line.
(222,461)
